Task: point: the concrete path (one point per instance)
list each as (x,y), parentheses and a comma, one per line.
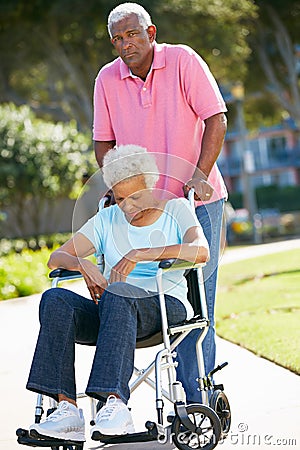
(264,398)
(252,251)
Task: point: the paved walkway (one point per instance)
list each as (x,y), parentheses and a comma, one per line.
(264,398)
(252,251)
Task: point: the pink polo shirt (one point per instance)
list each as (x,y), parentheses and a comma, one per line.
(165,113)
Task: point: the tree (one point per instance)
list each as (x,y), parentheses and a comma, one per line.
(274,65)
(52,49)
(40,162)
(218,30)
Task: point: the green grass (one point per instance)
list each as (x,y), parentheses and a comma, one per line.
(258,306)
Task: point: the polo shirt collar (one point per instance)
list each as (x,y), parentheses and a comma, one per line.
(159,61)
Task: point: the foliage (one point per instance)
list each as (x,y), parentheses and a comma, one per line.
(9,246)
(284,198)
(258,306)
(274,65)
(26,272)
(39,162)
(218,30)
(23,273)
(51,51)
(62,44)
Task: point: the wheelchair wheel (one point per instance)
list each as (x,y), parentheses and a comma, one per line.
(208,429)
(220,404)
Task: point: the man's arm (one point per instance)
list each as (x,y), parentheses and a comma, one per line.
(101,147)
(212,141)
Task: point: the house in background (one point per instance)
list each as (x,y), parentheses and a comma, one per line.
(271,157)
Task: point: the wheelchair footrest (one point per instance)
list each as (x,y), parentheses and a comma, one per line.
(144,436)
(34,439)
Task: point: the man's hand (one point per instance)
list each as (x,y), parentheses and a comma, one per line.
(203,189)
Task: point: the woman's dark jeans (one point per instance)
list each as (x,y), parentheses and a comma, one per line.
(124,313)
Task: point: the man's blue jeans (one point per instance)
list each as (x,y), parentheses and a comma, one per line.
(124,313)
(210,217)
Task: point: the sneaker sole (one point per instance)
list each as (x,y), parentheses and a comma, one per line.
(71,436)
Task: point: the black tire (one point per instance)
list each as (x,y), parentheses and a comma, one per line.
(72,447)
(66,447)
(220,404)
(208,425)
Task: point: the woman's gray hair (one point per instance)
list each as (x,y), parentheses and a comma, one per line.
(124,10)
(126,161)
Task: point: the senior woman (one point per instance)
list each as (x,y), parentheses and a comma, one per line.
(133,235)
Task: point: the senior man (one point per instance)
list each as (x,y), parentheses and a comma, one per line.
(164,97)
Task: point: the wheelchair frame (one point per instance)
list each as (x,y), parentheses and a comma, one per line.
(201,424)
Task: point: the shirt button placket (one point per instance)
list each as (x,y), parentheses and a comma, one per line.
(145,97)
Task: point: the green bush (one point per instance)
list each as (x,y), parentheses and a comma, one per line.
(8,246)
(39,162)
(23,273)
(283,198)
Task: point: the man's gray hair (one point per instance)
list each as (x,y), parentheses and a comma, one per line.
(124,10)
(126,161)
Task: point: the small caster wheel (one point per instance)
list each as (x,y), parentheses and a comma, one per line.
(208,431)
(220,404)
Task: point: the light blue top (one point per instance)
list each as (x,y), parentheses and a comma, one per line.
(113,236)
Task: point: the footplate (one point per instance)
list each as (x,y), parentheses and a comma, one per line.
(144,436)
(35,439)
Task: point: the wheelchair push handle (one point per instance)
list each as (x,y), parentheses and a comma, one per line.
(219,367)
(191,195)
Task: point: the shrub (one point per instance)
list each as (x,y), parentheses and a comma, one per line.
(23,273)
(8,246)
(284,198)
(39,163)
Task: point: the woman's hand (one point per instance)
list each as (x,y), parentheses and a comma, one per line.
(123,268)
(95,281)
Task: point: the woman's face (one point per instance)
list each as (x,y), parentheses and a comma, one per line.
(133,197)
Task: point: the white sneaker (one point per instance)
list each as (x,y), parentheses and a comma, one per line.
(113,419)
(66,422)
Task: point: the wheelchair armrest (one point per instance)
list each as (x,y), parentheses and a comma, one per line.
(179,264)
(166,263)
(64,273)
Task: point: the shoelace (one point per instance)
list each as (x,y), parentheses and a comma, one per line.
(62,410)
(109,409)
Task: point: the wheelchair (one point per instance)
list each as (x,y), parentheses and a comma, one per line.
(191,426)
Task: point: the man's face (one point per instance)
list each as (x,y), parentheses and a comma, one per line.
(133,43)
